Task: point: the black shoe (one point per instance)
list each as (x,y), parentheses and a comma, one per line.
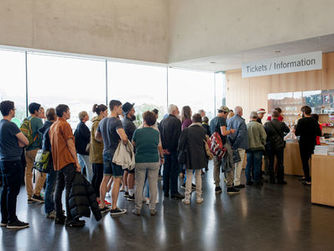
(249,183)
(166,195)
(17,225)
(37,198)
(272,181)
(126,194)
(218,190)
(75,223)
(131,198)
(117,212)
(3,223)
(258,184)
(301,179)
(183,186)
(30,201)
(177,196)
(60,220)
(282,182)
(306,183)
(240,186)
(232,190)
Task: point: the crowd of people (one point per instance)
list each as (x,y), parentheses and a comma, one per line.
(117,157)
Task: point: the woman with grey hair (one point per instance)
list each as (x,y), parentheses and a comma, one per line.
(82,139)
(256,144)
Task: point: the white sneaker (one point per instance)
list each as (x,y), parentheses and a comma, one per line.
(186,202)
(199,200)
(108,194)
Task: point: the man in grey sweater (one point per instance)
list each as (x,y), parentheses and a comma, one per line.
(256,141)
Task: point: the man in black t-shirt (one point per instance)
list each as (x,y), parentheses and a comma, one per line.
(308,129)
(110,131)
(12,141)
(218,124)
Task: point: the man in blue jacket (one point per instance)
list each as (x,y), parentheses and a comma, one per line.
(238,141)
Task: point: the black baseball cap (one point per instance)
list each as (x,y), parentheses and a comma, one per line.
(127,107)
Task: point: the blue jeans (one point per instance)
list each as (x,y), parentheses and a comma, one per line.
(254,161)
(171,172)
(48,196)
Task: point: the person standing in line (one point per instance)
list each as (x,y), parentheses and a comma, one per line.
(192,139)
(260,115)
(230,114)
(275,130)
(148,150)
(42,113)
(308,129)
(186,117)
(12,141)
(34,195)
(51,176)
(218,124)
(110,131)
(129,128)
(257,139)
(316,117)
(82,139)
(65,162)
(170,130)
(96,150)
(205,124)
(280,117)
(202,113)
(156,126)
(186,122)
(239,142)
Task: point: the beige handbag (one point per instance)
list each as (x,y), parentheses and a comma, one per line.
(209,154)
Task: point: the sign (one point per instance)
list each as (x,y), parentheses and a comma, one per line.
(295,63)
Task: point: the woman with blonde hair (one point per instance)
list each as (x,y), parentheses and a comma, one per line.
(82,139)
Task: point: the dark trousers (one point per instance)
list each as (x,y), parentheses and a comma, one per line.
(305,155)
(49,205)
(64,180)
(12,173)
(253,167)
(170,173)
(97,177)
(280,167)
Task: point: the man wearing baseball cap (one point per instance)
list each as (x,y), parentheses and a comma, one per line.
(260,114)
(218,124)
(129,128)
